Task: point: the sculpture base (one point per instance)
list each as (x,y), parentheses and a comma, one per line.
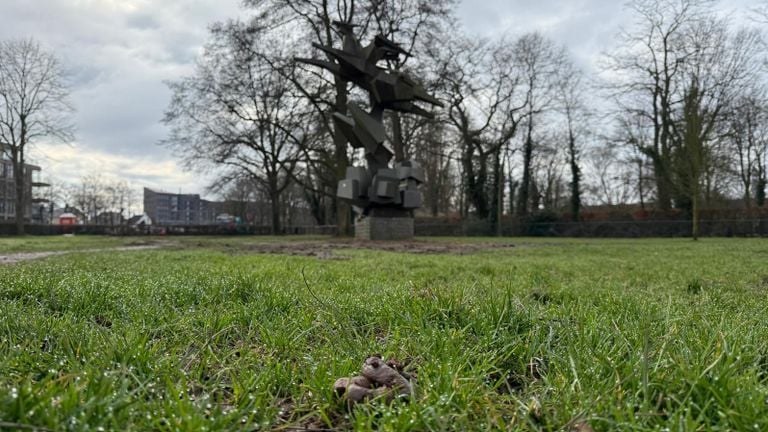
(384,228)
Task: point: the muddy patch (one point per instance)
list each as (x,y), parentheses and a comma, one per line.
(331,249)
(14,258)
(26,256)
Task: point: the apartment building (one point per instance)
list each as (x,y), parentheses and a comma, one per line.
(178,209)
(8,189)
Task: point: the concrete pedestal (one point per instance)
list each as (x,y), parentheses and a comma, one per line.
(384,228)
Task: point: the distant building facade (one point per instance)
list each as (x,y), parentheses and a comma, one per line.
(164,208)
(8,189)
(178,209)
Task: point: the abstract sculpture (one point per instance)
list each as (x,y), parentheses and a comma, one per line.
(378,190)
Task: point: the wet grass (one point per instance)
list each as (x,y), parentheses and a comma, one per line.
(554,335)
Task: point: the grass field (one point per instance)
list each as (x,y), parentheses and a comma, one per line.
(210,334)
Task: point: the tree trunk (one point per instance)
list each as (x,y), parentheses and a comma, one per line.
(695,215)
(512,185)
(497,190)
(343,210)
(663,192)
(475,181)
(760,192)
(525,185)
(274,199)
(640,190)
(479,195)
(575,178)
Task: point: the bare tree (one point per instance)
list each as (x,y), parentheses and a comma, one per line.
(120,199)
(748,137)
(610,182)
(432,149)
(548,166)
(33,106)
(89,196)
(541,63)
(720,64)
(572,105)
(239,113)
(482,84)
(673,80)
(409,22)
(240,199)
(643,74)
(760,12)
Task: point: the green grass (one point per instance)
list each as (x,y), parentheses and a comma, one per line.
(625,334)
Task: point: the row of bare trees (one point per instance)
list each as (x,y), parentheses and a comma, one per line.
(681,83)
(674,117)
(93,197)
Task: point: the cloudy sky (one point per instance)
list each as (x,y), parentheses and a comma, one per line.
(119,53)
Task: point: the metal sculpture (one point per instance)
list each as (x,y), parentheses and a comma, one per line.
(379,185)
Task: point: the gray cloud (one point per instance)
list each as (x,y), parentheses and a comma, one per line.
(142,21)
(586,27)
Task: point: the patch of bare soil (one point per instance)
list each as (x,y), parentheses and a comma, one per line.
(27,256)
(326,250)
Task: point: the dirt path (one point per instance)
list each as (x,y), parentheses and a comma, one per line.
(14,258)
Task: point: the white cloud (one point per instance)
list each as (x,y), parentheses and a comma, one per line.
(68,163)
(118,53)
